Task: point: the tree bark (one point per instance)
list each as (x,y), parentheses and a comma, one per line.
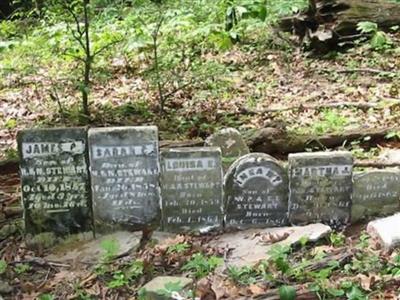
(329,24)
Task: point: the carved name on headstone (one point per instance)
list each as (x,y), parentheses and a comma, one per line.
(124,176)
(191,189)
(320,188)
(256,192)
(55,180)
(231,143)
(375,193)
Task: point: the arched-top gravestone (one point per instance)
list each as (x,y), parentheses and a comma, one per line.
(256,192)
(375,193)
(231,143)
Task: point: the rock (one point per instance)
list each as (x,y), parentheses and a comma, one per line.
(165,288)
(375,193)
(390,156)
(231,143)
(5,288)
(89,250)
(250,246)
(386,231)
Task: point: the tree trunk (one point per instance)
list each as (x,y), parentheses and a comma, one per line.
(330,24)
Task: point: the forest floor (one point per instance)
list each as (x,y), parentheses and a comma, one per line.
(258,87)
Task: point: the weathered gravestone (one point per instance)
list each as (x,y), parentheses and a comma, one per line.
(191,189)
(124,176)
(320,187)
(55,180)
(256,192)
(231,143)
(375,193)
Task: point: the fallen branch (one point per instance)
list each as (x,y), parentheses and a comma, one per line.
(40,262)
(375,164)
(301,107)
(360,70)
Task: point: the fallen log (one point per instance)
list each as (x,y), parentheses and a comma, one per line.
(278,141)
(329,24)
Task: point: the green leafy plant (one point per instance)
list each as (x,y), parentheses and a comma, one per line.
(337,239)
(110,248)
(287,293)
(22,268)
(379,39)
(178,248)
(331,122)
(3,266)
(242,275)
(279,257)
(201,266)
(119,280)
(46,297)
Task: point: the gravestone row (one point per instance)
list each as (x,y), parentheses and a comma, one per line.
(117,178)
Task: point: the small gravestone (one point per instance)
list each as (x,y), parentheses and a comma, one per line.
(256,192)
(375,193)
(124,177)
(191,187)
(320,188)
(231,143)
(55,180)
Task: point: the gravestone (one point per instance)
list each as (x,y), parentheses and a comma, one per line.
(191,189)
(375,193)
(320,188)
(231,143)
(256,192)
(124,177)
(55,180)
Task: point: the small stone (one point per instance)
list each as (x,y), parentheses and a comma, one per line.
(386,230)
(231,143)
(5,288)
(165,288)
(252,245)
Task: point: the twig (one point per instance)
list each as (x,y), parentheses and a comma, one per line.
(41,262)
(375,164)
(359,70)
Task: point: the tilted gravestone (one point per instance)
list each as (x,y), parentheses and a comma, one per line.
(256,192)
(55,180)
(124,177)
(231,143)
(320,188)
(191,189)
(375,193)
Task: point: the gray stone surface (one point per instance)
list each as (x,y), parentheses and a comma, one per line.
(124,176)
(191,189)
(159,288)
(250,246)
(256,192)
(231,143)
(386,231)
(320,188)
(375,193)
(85,249)
(55,180)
